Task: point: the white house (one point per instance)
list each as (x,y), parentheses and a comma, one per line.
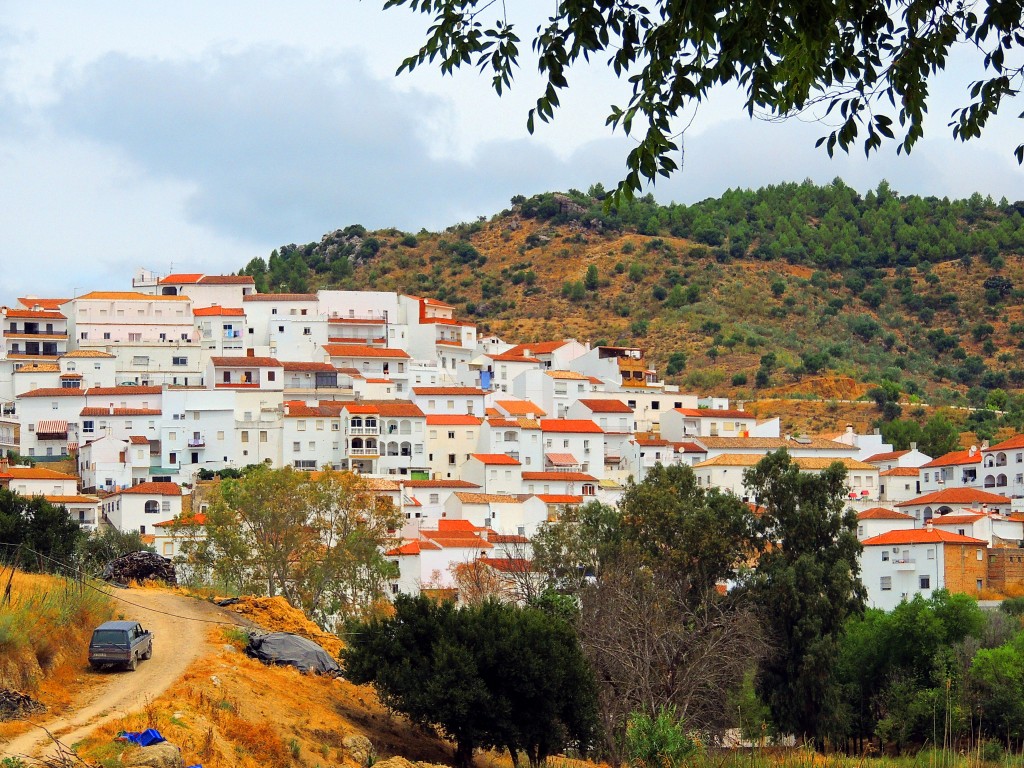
(878,520)
(957,469)
(924,508)
(1002,467)
(683,423)
(142,506)
(494,472)
(451,439)
(899,564)
(449,400)
(37,481)
(899,484)
(573,445)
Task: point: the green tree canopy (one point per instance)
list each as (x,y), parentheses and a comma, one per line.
(40,526)
(806,584)
(868,66)
(491,675)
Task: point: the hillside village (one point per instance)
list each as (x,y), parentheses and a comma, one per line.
(478,440)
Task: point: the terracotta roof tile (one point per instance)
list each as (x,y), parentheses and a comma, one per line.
(881,513)
(487,498)
(496,459)
(520,407)
(900,472)
(219,312)
(956,496)
(715,413)
(34,314)
(919,536)
(101,411)
(1010,444)
(454,420)
(563,476)
(280,297)
(151,489)
(606,406)
(245,362)
(887,456)
(227,280)
(127,296)
(955,458)
(536,348)
(360,351)
(474,391)
(581,426)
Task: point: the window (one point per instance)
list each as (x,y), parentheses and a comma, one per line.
(220,435)
(931,553)
(885,555)
(271,375)
(263,435)
(89,426)
(885,583)
(307,331)
(434,498)
(179,361)
(980,555)
(245,436)
(451,459)
(451,435)
(300,425)
(106,335)
(297,446)
(925,582)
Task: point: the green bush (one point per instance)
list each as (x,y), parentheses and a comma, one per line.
(658,742)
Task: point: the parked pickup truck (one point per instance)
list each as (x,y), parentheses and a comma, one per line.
(120,642)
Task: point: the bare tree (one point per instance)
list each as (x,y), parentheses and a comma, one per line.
(651,645)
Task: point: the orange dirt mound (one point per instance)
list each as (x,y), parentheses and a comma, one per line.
(831,387)
(277,615)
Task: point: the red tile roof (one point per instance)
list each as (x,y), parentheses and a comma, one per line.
(151,489)
(37,473)
(454,420)
(138,440)
(198,519)
(520,408)
(132,390)
(219,312)
(30,302)
(310,367)
(1010,444)
(564,476)
(127,296)
(881,513)
(246,362)
(396,408)
(411,548)
(561,459)
(559,498)
(955,458)
(606,406)
(919,536)
(35,314)
(956,496)
(181,278)
(887,456)
(101,411)
(508,564)
(361,350)
(448,391)
(495,458)
(955,519)
(582,426)
(900,472)
(54,392)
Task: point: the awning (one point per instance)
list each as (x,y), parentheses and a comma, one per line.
(54,427)
(561,459)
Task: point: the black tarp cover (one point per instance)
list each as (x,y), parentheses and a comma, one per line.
(293,650)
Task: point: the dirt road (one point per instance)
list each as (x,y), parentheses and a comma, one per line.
(180,626)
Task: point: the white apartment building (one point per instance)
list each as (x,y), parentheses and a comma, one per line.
(204,290)
(221,330)
(450,441)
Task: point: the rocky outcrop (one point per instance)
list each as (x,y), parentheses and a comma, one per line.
(162,755)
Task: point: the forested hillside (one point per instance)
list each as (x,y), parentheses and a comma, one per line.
(749,292)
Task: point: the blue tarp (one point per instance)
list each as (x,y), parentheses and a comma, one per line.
(144,739)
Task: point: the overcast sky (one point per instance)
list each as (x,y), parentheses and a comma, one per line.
(197,135)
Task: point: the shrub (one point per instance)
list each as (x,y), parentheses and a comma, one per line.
(739,379)
(658,742)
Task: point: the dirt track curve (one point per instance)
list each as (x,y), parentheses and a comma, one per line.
(178,640)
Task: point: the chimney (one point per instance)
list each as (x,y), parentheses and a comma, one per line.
(287,409)
(984,445)
(972,450)
(111,409)
(5,463)
(913,446)
(849,429)
(928,524)
(250,353)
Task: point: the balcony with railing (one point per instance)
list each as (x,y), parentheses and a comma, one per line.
(905,564)
(197,441)
(372,451)
(366,430)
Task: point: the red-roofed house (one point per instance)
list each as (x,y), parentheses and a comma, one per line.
(204,290)
(957,469)
(450,441)
(930,505)
(878,520)
(141,507)
(551,354)
(373,363)
(493,472)
(1002,467)
(911,458)
(245,372)
(33,335)
(581,438)
(899,564)
(899,484)
(449,400)
(222,330)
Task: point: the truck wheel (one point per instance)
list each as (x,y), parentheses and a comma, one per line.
(96,666)
(133,664)
(149,653)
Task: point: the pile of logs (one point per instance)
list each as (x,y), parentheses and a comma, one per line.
(140,566)
(14,705)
